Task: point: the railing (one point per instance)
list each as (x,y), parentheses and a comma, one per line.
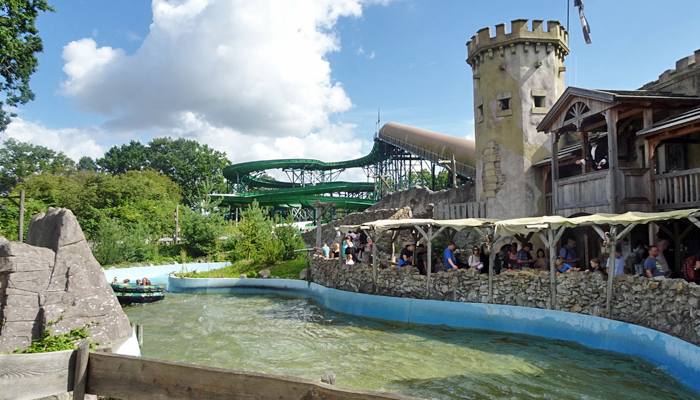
(583,192)
(462,168)
(679,189)
(474,209)
(29,376)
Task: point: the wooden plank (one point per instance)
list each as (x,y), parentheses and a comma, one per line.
(128,377)
(30,376)
(582,178)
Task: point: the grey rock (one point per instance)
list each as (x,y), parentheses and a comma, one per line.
(264,273)
(243,276)
(328,378)
(303,274)
(55,274)
(196,271)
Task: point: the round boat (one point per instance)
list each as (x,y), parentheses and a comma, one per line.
(137,294)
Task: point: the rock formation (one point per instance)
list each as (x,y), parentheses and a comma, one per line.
(54,273)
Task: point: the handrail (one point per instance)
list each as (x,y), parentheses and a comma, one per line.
(676,174)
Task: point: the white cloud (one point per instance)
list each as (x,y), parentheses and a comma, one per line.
(132,37)
(252,66)
(74,142)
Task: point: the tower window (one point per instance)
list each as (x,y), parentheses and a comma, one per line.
(504,105)
(539,101)
(479,113)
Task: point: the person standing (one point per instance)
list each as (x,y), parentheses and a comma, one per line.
(619,262)
(598,156)
(652,266)
(475,259)
(450,260)
(524,256)
(568,256)
(541,262)
(663,245)
(640,254)
(421,259)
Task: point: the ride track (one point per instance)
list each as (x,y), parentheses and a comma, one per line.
(416,142)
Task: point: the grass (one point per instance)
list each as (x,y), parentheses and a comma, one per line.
(284,269)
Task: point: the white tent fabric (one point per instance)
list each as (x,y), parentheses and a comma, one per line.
(384,225)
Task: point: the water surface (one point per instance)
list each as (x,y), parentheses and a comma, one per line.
(283,335)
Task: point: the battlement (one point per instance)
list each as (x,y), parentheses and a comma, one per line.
(685,66)
(555,35)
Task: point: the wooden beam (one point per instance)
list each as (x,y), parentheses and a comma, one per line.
(126,377)
(80,375)
(555,170)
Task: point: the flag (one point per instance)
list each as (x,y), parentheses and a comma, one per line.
(584,22)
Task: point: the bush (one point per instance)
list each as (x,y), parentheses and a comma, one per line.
(202,231)
(116,244)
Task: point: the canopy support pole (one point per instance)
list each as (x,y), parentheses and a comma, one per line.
(394,235)
(429,262)
(611,271)
(550,237)
(374,261)
(492,263)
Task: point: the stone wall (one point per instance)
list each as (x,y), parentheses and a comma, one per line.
(421,200)
(684,79)
(668,305)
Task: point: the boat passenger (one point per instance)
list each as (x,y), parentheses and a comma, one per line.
(138,282)
(115,281)
(145,281)
(126,281)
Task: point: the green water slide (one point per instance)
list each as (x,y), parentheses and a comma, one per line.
(292,194)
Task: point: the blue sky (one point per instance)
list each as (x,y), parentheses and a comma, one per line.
(276,79)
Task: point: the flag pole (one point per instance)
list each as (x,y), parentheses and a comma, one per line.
(568,6)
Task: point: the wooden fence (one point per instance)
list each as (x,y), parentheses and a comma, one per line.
(475,209)
(29,376)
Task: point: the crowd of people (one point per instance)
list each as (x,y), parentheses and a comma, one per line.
(643,260)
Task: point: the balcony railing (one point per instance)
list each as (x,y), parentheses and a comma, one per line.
(679,189)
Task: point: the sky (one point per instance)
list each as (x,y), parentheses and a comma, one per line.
(262,79)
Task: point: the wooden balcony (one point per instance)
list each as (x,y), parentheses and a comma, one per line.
(589,193)
(677,190)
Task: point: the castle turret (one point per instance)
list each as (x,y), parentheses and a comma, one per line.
(517,78)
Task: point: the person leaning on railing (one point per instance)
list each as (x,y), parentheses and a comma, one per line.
(652,266)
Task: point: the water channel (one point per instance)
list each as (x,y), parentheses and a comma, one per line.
(285,335)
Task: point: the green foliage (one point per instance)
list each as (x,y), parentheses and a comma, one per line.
(284,269)
(425,178)
(288,240)
(65,341)
(86,164)
(20,160)
(254,228)
(127,157)
(115,243)
(19,42)
(188,163)
(202,231)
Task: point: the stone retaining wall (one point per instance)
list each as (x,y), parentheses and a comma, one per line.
(671,306)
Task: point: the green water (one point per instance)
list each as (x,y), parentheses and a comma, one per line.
(291,336)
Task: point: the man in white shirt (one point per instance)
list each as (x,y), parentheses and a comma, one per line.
(599,155)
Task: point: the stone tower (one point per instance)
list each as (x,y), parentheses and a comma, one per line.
(518,76)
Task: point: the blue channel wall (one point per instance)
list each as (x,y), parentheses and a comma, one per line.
(676,357)
(158,274)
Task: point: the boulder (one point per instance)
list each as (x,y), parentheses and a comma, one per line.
(303,274)
(54,275)
(264,273)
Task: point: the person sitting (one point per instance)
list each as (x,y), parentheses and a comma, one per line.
(541,262)
(126,281)
(652,266)
(406,257)
(325,250)
(563,268)
(336,251)
(475,259)
(619,262)
(524,258)
(138,282)
(115,281)
(595,266)
(450,260)
(567,255)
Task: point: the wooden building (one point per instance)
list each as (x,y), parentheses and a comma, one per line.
(652,141)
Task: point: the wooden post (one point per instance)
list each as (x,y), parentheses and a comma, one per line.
(20,229)
(611,119)
(552,267)
(611,271)
(80,375)
(649,158)
(492,265)
(555,170)
(139,334)
(394,235)
(585,151)
(429,263)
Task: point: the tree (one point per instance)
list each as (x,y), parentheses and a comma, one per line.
(20,160)
(127,157)
(19,42)
(189,164)
(86,164)
(254,227)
